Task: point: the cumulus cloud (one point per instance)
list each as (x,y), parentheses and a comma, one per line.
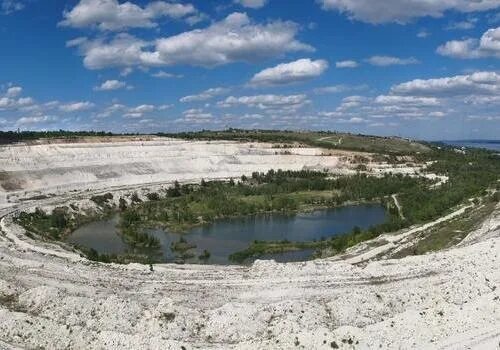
(289,73)
(195,116)
(428,99)
(38,119)
(14,91)
(234,39)
(109,85)
(136,112)
(385,106)
(111,15)
(140,110)
(384,61)
(487,46)
(403,11)
(76,106)
(205,95)
(407,101)
(346,64)
(350,102)
(267,102)
(254,4)
(479,83)
(11,100)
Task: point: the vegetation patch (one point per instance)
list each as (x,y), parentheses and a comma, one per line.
(185,206)
(451,232)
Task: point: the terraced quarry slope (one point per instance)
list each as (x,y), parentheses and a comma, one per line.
(54,299)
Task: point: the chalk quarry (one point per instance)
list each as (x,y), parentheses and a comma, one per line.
(52,298)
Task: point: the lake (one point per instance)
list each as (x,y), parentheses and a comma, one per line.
(227,236)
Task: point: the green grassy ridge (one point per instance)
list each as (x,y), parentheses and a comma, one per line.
(328,140)
(446,234)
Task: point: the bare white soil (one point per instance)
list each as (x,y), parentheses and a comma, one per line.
(54,299)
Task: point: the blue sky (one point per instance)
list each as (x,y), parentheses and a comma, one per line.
(423,69)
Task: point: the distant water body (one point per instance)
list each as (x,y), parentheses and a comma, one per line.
(493,145)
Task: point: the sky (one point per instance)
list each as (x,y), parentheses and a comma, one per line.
(424,69)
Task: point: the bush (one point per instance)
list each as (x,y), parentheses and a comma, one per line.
(102,200)
(122,204)
(135,198)
(153,196)
(59,218)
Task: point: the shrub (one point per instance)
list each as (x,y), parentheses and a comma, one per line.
(102,200)
(153,196)
(122,204)
(135,198)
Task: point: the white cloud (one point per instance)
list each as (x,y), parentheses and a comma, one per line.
(164,75)
(476,94)
(195,19)
(234,39)
(422,34)
(14,91)
(76,107)
(108,111)
(205,95)
(487,46)
(403,11)
(111,15)
(437,114)
(10,6)
(289,73)
(407,101)
(131,112)
(462,25)
(267,102)
(126,71)
(479,83)
(350,102)
(196,116)
(109,85)
(39,119)
(142,109)
(346,64)
(430,99)
(384,61)
(10,103)
(352,120)
(254,4)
